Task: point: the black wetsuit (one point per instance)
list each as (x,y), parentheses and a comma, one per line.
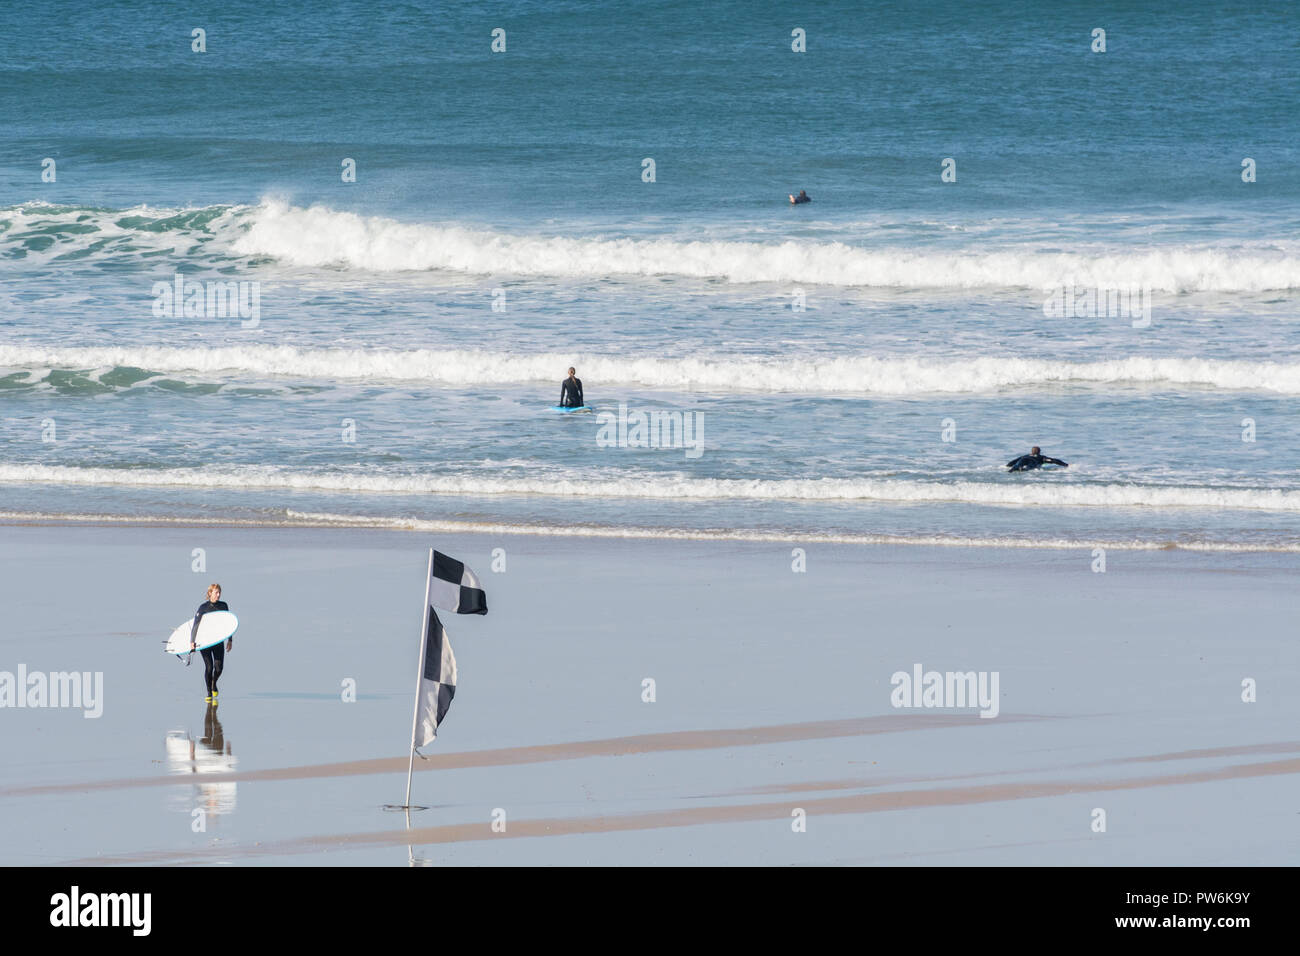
(802,197)
(214,657)
(1030,462)
(571,393)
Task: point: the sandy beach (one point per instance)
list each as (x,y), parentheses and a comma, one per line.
(774,693)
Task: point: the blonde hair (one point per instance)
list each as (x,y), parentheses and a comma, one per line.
(214,585)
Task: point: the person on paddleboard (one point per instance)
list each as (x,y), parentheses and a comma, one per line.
(571,391)
(1033,460)
(214,658)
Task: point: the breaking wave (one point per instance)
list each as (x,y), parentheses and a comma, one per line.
(321,237)
(31,365)
(374,481)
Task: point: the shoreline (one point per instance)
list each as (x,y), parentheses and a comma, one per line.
(626,533)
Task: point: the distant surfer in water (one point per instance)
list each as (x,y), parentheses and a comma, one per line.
(801,198)
(214,658)
(571,391)
(1033,460)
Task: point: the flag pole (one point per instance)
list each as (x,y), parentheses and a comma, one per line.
(419,676)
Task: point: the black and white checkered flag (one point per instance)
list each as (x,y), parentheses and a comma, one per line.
(454,587)
(437,683)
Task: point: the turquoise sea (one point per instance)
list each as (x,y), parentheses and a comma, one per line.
(609,192)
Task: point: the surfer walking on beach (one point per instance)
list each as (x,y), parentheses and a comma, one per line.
(1033,460)
(214,658)
(571,391)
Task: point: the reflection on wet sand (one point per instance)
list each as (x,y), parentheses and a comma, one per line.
(666,742)
(411,858)
(209,754)
(859,803)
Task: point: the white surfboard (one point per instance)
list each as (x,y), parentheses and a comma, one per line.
(214,627)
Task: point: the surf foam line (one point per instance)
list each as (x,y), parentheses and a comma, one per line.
(860,374)
(91,233)
(320,237)
(323,237)
(298,519)
(764,537)
(1012,492)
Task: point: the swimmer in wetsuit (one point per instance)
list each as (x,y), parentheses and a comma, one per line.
(1033,460)
(571,391)
(214,658)
(801,198)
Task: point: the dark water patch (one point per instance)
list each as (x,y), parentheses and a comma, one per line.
(124,376)
(61,229)
(77,383)
(83,253)
(251,392)
(188,388)
(18,380)
(190,219)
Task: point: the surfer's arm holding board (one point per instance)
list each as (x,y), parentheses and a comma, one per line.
(213,603)
(204,608)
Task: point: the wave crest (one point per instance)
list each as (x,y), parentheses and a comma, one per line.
(720,373)
(371,481)
(320,237)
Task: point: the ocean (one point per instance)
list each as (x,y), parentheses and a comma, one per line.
(1013,241)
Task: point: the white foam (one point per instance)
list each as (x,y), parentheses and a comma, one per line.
(322,237)
(1053,494)
(306,519)
(116,233)
(717,373)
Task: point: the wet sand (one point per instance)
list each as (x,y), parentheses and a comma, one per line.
(1118,691)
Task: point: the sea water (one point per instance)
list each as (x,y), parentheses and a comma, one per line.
(401,239)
